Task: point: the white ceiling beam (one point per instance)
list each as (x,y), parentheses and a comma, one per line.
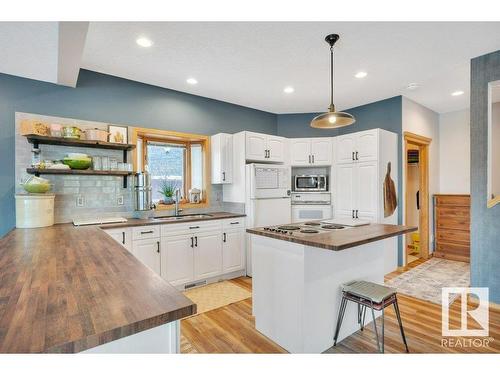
(72,37)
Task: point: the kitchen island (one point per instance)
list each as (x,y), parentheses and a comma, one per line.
(298,272)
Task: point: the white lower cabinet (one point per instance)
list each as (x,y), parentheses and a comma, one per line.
(148,251)
(207,255)
(121,235)
(177,259)
(233,250)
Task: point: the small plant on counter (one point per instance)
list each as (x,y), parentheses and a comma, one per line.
(167,189)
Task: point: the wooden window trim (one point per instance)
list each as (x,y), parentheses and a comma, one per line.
(188,139)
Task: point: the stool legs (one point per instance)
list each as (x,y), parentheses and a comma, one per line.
(398,315)
(375,326)
(361,316)
(340,316)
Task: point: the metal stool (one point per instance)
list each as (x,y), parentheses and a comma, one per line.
(376,297)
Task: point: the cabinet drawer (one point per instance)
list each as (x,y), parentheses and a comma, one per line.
(234,223)
(453,222)
(444,212)
(192,227)
(453,249)
(452,200)
(453,236)
(150,231)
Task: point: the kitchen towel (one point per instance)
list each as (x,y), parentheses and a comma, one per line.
(390,198)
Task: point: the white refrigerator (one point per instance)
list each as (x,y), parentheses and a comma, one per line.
(267,199)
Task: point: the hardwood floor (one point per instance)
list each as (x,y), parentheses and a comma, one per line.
(231,329)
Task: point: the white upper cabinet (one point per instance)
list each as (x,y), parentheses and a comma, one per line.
(264,148)
(357,147)
(276,149)
(311,151)
(346,194)
(222,158)
(366,185)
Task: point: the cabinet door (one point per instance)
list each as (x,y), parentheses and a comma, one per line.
(276,147)
(256,146)
(177,259)
(300,151)
(233,251)
(366,146)
(148,252)
(227,159)
(345,199)
(123,236)
(366,188)
(321,150)
(345,148)
(207,255)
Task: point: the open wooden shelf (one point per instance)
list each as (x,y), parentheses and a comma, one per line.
(40,139)
(88,172)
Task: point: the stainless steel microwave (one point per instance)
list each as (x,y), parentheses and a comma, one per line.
(310,182)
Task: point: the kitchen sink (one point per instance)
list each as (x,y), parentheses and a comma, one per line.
(183,217)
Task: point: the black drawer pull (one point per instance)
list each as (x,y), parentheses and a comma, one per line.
(147,232)
(192,241)
(158,246)
(224,238)
(195,241)
(196,227)
(235,222)
(123,238)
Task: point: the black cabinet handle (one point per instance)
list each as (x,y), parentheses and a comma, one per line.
(223,176)
(312,156)
(147,232)
(192,241)
(357,156)
(195,227)
(224,238)
(309,159)
(196,241)
(123,238)
(353,214)
(353,156)
(357,214)
(158,246)
(234,222)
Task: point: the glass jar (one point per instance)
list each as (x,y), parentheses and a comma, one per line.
(105,163)
(113,164)
(97,163)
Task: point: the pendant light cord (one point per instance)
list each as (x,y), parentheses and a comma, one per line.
(331,79)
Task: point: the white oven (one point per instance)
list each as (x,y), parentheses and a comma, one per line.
(311,206)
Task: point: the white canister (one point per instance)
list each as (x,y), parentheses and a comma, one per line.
(34,210)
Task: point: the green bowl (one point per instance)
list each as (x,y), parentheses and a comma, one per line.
(36,188)
(78,163)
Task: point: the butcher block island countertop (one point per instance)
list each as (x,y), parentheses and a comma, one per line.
(67,289)
(340,239)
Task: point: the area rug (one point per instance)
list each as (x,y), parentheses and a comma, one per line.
(426,280)
(213,296)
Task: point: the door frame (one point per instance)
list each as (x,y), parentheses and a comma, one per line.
(423,147)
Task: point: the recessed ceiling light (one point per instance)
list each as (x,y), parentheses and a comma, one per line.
(413,86)
(361,74)
(457,93)
(192,81)
(288,90)
(144,42)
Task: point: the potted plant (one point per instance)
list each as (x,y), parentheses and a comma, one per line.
(167,189)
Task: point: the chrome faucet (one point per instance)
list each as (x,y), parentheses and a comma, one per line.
(177,199)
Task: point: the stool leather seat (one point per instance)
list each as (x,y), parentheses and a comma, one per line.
(368,290)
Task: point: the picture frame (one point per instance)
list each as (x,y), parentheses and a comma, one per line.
(118,134)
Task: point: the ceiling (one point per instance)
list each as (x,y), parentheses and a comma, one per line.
(249,63)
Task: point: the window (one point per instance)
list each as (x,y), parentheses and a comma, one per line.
(174,161)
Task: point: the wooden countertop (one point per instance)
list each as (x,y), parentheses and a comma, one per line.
(67,289)
(340,239)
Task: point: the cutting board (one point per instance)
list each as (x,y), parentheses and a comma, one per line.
(347,222)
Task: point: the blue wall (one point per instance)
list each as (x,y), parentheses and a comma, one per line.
(100,97)
(385,114)
(485,222)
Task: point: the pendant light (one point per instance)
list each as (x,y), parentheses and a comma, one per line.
(332,119)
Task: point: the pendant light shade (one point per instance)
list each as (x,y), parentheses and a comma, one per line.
(332,119)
